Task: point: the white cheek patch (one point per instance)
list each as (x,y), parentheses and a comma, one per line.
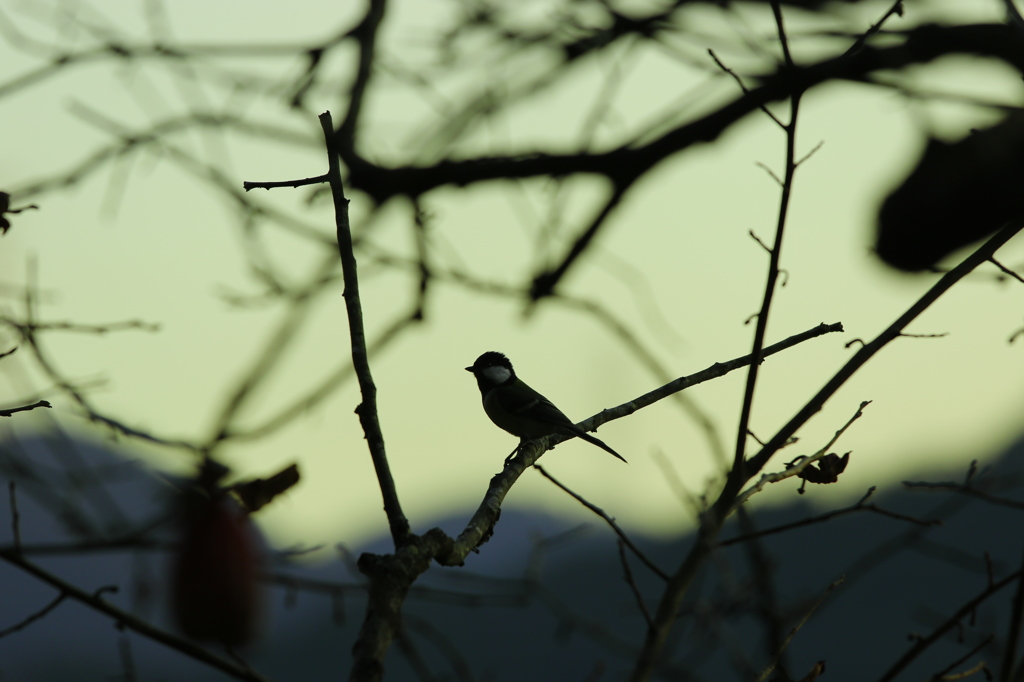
(496,374)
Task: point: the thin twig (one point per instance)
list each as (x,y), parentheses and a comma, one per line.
(24,408)
(821,518)
(895,8)
(248,185)
(796,628)
(1006,270)
(88,328)
(41,613)
(967,490)
(980,666)
(628,573)
(944,675)
(743,87)
(924,642)
(125,619)
(609,520)
(1013,635)
(15,516)
(124,648)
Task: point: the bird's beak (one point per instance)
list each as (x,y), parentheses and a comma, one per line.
(468,369)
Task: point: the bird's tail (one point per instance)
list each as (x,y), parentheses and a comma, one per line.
(598,442)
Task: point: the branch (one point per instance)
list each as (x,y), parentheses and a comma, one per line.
(249,184)
(367,409)
(770,668)
(736,473)
(945,627)
(713,372)
(623,538)
(1013,636)
(945,673)
(24,408)
(968,490)
(125,619)
(628,575)
(41,613)
(821,518)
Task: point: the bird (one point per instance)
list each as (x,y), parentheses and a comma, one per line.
(520,410)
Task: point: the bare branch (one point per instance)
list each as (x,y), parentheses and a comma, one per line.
(961,613)
(24,408)
(367,409)
(1013,634)
(968,490)
(623,538)
(1002,267)
(319,179)
(770,668)
(41,613)
(827,516)
(12,493)
(628,575)
(125,619)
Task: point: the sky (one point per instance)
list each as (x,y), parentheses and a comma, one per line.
(146,238)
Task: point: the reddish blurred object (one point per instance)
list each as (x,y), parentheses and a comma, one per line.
(217,591)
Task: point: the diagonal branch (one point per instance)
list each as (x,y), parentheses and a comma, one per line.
(623,538)
(125,619)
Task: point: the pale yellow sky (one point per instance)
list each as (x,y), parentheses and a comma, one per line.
(170,248)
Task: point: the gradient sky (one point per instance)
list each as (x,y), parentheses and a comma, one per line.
(144,239)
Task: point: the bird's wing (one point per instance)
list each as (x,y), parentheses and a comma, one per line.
(535,406)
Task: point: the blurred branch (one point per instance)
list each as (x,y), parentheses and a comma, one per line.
(12,495)
(125,619)
(945,673)
(963,612)
(1013,633)
(628,575)
(770,668)
(27,330)
(91,328)
(41,613)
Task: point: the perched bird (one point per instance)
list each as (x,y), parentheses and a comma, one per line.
(517,408)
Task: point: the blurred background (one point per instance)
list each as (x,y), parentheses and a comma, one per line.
(217,314)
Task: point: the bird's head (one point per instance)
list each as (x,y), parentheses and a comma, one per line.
(492,369)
